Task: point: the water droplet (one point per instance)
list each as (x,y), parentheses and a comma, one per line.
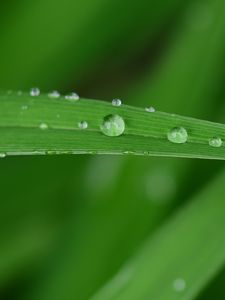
(43,126)
(83,125)
(72,96)
(215,142)
(116,102)
(179,284)
(113,125)
(24,107)
(150,109)
(54,94)
(2,155)
(178,135)
(34,92)
(58,116)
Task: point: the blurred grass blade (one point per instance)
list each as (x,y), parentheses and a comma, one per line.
(192,73)
(181,257)
(75,39)
(37,129)
(31,218)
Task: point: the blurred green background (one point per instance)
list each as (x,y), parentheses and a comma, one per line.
(68,223)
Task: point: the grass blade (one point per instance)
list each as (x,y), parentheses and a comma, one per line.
(178,260)
(70,47)
(145,133)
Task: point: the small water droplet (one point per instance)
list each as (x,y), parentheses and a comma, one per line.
(215,142)
(150,109)
(113,125)
(34,92)
(128,152)
(72,96)
(54,94)
(179,284)
(24,107)
(43,126)
(83,125)
(178,135)
(58,116)
(116,102)
(2,155)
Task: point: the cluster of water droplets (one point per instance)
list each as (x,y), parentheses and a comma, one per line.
(35,92)
(114,125)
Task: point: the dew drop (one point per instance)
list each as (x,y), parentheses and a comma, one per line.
(179,284)
(150,109)
(83,125)
(72,96)
(24,107)
(113,125)
(178,135)
(34,92)
(43,126)
(215,142)
(54,94)
(2,155)
(116,102)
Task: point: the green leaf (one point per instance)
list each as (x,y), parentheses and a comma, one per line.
(181,257)
(39,125)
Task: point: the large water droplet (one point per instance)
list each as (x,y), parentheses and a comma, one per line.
(178,135)
(54,94)
(150,109)
(215,142)
(83,125)
(113,125)
(116,102)
(34,92)
(179,284)
(43,126)
(2,155)
(72,96)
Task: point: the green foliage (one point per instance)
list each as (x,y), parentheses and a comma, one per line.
(101,226)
